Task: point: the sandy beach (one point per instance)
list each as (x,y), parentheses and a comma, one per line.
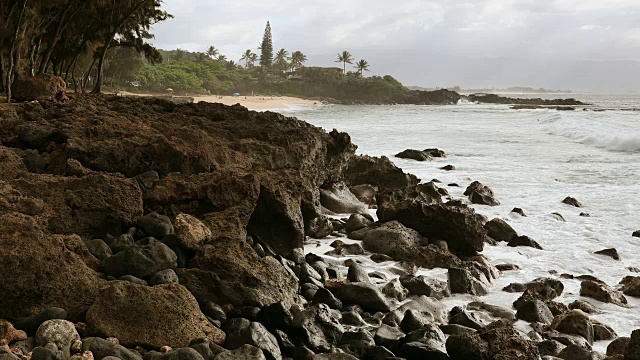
(250,102)
(257,102)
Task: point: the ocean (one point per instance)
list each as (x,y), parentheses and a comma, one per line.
(532,159)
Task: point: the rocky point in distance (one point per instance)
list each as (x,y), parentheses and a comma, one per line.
(136,228)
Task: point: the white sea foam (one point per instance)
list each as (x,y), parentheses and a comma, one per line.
(597,133)
(532,160)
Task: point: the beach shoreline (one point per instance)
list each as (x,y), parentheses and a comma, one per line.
(258,103)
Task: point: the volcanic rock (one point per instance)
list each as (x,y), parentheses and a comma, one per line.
(150,316)
(602,292)
(380,172)
(500,230)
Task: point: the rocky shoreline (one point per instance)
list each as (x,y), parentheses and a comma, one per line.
(135,228)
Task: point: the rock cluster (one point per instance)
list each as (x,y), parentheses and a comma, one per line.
(139,229)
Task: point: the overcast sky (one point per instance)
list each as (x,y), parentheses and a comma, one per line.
(579,44)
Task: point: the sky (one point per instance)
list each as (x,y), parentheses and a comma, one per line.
(583,45)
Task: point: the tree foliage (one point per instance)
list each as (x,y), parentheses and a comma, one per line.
(58,36)
(266,48)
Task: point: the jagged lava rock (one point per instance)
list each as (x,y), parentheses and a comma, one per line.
(41,271)
(163,315)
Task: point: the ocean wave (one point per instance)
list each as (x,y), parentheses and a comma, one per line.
(596,134)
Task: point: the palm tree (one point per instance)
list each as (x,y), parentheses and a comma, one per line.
(221,58)
(362,65)
(281,59)
(345,58)
(252,59)
(247,56)
(297,59)
(212,52)
(230,65)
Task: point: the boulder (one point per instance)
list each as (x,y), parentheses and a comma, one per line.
(574,322)
(414,155)
(603,332)
(432,308)
(618,346)
(493,310)
(31,324)
(246,352)
(142,260)
(458,226)
(355,344)
(380,172)
(320,227)
(524,241)
(357,222)
(63,279)
(500,230)
(387,335)
(481,194)
(62,333)
(422,285)
(167,276)
(498,340)
(612,253)
(631,286)
(42,87)
(575,352)
(337,198)
(191,232)
(324,296)
(518,211)
(584,306)
(462,281)
(101,348)
(390,238)
(414,320)
(534,311)
(365,193)
(541,288)
(364,294)
(243,332)
(633,348)
(571,201)
(602,292)
(229,271)
(163,315)
(186,353)
(99,249)
(318,326)
(636,233)
(448,168)
(357,273)
(395,290)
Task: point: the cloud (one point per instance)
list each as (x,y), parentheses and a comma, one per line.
(595,27)
(404,38)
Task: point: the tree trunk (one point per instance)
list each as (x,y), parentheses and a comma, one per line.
(62,24)
(86,77)
(1,72)
(103,54)
(9,76)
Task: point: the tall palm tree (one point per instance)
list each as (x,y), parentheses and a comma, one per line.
(246,57)
(345,58)
(222,57)
(281,59)
(252,59)
(212,52)
(297,59)
(361,66)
